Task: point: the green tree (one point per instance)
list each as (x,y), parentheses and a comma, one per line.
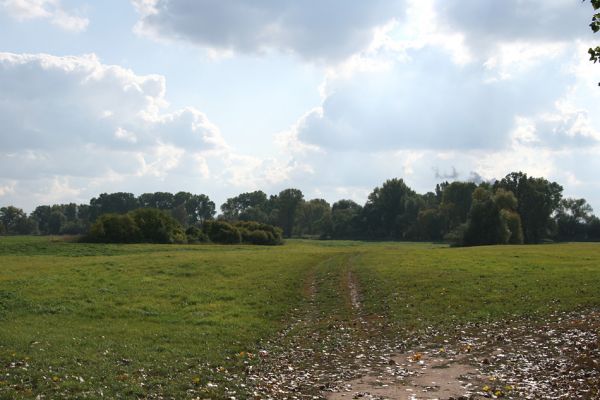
(313,218)
(159,200)
(391,211)
(507,204)
(14,221)
(346,220)
(432,224)
(42,215)
(456,202)
(485,225)
(192,209)
(199,209)
(572,218)
(114,228)
(56,221)
(251,206)
(286,205)
(537,198)
(117,203)
(156,226)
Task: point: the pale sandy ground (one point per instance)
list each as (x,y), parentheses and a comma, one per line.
(430,377)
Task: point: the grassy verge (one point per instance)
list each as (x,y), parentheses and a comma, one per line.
(142,320)
(160,321)
(420,285)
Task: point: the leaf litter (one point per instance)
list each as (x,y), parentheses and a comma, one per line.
(319,357)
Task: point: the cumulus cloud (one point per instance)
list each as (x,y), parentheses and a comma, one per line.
(488,22)
(74,125)
(324,30)
(414,105)
(426,102)
(51,10)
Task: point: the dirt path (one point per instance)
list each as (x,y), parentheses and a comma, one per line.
(334,351)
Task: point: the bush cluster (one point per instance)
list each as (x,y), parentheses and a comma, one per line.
(242,232)
(150,225)
(144,225)
(258,233)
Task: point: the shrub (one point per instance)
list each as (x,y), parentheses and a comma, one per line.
(456,236)
(195,235)
(157,226)
(114,228)
(259,233)
(222,232)
(142,225)
(73,228)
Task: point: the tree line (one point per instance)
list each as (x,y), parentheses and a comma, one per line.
(515,209)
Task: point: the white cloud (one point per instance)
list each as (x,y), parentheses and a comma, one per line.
(73,126)
(428,96)
(314,30)
(51,10)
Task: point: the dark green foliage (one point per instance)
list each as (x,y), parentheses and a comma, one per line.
(529,210)
(147,225)
(456,237)
(14,221)
(73,228)
(113,203)
(572,218)
(537,200)
(313,218)
(456,203)
(258,233)
(156,226)
(346,220)
(593,229)
(159,200)
(432,224)
(286,206)
(252,206)
(114,228)
(55,222)
(199,209)
(391,211)
(222,232)
(485,224)
(196,235)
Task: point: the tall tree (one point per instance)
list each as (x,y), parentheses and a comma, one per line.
(42,215)
(456,202)
(14,221)
(391,210)
(199,209)
(572,218)
(286,207)
(346,220)
(251,206)
(159,200)
(485,224)
(313,218)
(118,203)
(538,199)
(192,209)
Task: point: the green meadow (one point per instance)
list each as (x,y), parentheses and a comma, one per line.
(185,321)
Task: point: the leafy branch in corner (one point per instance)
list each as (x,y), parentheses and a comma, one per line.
(595,25)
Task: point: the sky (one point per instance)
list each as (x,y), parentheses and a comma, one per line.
(332,97)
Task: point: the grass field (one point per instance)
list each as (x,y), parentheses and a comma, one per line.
(160,321)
